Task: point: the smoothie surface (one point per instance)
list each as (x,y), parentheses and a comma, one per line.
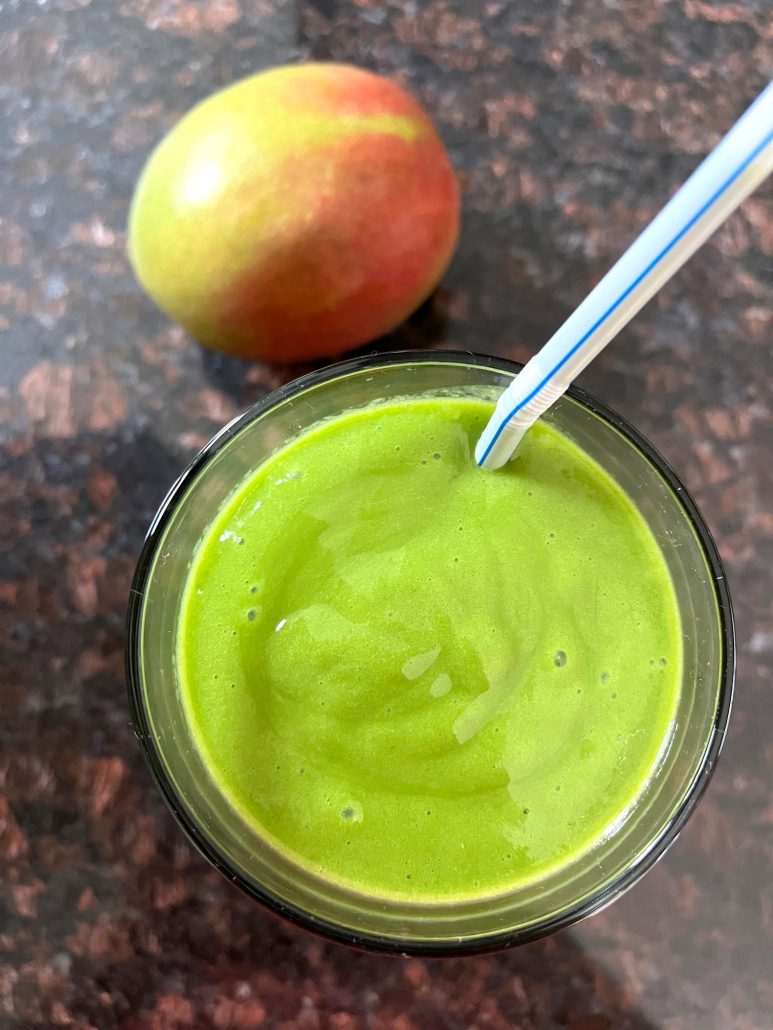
(420,679)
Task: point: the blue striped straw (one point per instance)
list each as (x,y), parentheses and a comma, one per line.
(736,167)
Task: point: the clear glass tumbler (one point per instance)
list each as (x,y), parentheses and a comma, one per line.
(592,880)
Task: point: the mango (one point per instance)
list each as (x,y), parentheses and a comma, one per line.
(296,214)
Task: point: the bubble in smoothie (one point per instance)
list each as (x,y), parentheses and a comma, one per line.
(352,812)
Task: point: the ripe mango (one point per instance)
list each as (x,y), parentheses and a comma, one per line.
(296,214)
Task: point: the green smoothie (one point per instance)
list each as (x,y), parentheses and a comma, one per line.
(424,680)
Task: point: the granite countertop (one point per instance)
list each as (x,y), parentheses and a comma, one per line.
(571,123)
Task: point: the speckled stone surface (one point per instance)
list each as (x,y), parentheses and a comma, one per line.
(570,123)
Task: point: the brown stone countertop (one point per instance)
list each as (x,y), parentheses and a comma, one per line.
(571,123)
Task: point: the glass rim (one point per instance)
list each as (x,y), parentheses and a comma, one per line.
(596,900)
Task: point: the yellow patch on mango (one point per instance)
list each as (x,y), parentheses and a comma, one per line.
(313,129)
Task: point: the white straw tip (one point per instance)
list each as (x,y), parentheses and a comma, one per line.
(492,452)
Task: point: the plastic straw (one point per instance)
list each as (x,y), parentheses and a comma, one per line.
(735,168)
